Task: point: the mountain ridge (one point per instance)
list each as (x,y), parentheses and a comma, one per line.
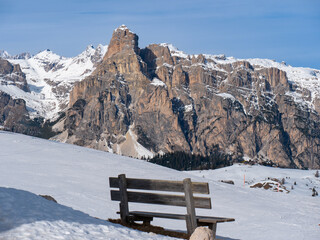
(159,99)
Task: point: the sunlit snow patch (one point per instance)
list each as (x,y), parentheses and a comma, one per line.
(158,82)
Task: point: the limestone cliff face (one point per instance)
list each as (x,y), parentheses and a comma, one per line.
(14,116)
(158,99)
(11,74)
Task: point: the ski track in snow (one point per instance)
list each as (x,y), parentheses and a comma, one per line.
(77,177)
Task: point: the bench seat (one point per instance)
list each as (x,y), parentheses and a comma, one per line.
(200,219)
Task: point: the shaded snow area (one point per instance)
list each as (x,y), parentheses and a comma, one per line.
(51,78)
(77,178)
(25,215)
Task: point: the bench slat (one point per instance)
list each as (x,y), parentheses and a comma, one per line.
(160,185)
(162,199)
(158,215)
(214,219)
(200,219)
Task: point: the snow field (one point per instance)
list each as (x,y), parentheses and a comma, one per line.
(77,177)
(28,216)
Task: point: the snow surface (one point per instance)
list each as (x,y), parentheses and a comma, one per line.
(123,27)
(226,95)
(25,215)
(47,71)
(157,82)
(174,50)
(188,108)
(77,177)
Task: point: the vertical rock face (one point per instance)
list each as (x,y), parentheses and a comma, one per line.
(14,116)
(13,113)
(12,75)
(122,40)
(158,99)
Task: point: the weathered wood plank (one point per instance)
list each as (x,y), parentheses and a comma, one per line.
(162,199)
(124,207)
(203,219)
(213,227)
(190,204)
(160,185)
(158,215)
(200,219)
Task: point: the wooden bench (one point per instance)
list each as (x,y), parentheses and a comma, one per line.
(186,200)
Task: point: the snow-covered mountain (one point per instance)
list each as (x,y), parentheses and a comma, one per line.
(77,177)
(4,54)
(51,77)
(305,81)
(158,99)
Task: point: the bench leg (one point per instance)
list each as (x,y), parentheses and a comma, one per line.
(213,227)
(146,222)
(189,225)
(123,215)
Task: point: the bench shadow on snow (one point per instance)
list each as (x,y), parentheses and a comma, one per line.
(20,207)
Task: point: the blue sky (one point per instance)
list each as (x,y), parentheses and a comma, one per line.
(284,30)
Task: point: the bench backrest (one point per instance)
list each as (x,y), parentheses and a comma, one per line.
(160,185)
(187,200)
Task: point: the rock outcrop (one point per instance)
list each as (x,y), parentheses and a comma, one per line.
(153,100)
(11,74)
(14,116)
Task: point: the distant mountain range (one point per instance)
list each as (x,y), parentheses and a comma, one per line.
(140,102)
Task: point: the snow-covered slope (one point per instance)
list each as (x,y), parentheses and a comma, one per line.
(51,78)
(25,215)
(78,177)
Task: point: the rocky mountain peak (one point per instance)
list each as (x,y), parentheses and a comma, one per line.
(47,56)
(122,40)
(140,102)
(24,55)
(89,47)
(4,54)
(122,28)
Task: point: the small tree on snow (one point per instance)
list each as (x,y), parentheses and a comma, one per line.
(317,174)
